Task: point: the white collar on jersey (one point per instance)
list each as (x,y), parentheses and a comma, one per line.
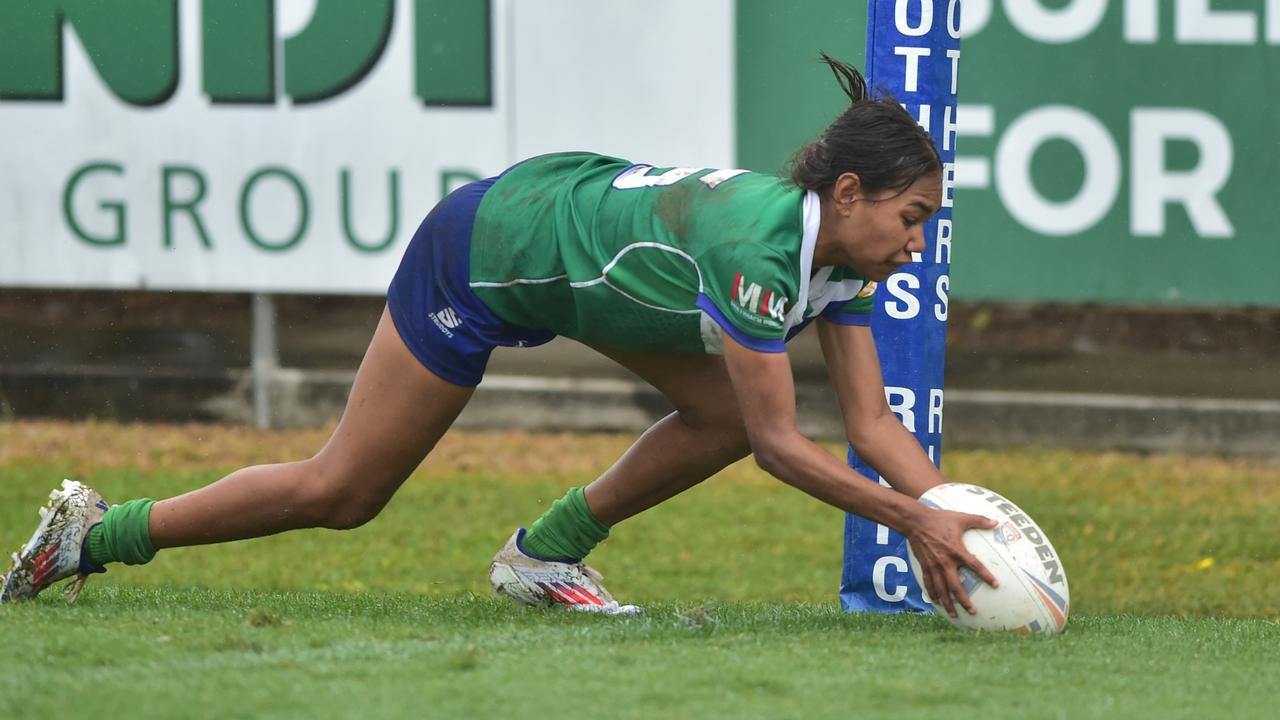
(816,292)
(811,214)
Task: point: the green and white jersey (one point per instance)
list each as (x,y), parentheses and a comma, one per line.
(661,259)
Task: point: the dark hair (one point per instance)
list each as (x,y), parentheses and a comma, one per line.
(875,138)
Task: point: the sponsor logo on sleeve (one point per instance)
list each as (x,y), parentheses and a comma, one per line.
(758,303)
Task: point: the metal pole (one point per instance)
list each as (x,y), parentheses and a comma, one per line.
(265,358)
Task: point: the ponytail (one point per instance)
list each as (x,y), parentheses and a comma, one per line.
(875,138)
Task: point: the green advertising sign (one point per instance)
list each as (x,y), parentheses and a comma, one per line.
(1117,151)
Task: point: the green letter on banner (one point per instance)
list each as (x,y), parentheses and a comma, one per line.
(117,208)
(239,43)
(337,49)
(133,45)
(304,209)
(453,50)
(394,223)
(189,206)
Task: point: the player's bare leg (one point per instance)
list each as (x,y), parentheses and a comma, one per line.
(703,436)
(395,414)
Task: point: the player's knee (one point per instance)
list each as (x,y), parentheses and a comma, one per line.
(340,498)
(353,511)
(725,422)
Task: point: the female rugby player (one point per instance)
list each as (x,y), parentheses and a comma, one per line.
(692,278)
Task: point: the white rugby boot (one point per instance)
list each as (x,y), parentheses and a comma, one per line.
(533,581)
(53,552)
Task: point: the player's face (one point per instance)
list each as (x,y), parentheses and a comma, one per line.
(876,233)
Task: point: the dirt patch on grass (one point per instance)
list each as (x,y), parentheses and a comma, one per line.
(147,448)
(79,447)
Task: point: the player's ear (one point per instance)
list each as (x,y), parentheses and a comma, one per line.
(846,189)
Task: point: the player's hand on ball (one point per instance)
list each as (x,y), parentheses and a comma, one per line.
(937,541)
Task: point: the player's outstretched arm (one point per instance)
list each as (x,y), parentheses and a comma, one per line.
(765,391)
(872,429)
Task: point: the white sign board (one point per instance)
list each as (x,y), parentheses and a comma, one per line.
(290,193)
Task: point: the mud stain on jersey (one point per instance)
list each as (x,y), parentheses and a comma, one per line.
(673,207)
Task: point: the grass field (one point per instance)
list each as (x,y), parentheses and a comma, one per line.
(1174,565)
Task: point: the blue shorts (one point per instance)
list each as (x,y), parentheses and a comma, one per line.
(439,319)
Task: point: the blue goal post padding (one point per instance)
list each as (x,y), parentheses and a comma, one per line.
(913,52)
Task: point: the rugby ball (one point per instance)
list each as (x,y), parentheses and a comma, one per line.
(1033,598)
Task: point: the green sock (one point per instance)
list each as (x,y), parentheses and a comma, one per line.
(124,535)
(566,531)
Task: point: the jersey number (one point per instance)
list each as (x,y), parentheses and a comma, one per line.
(637,176)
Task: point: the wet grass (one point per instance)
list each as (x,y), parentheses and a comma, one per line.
(1173,563)
(139,652)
